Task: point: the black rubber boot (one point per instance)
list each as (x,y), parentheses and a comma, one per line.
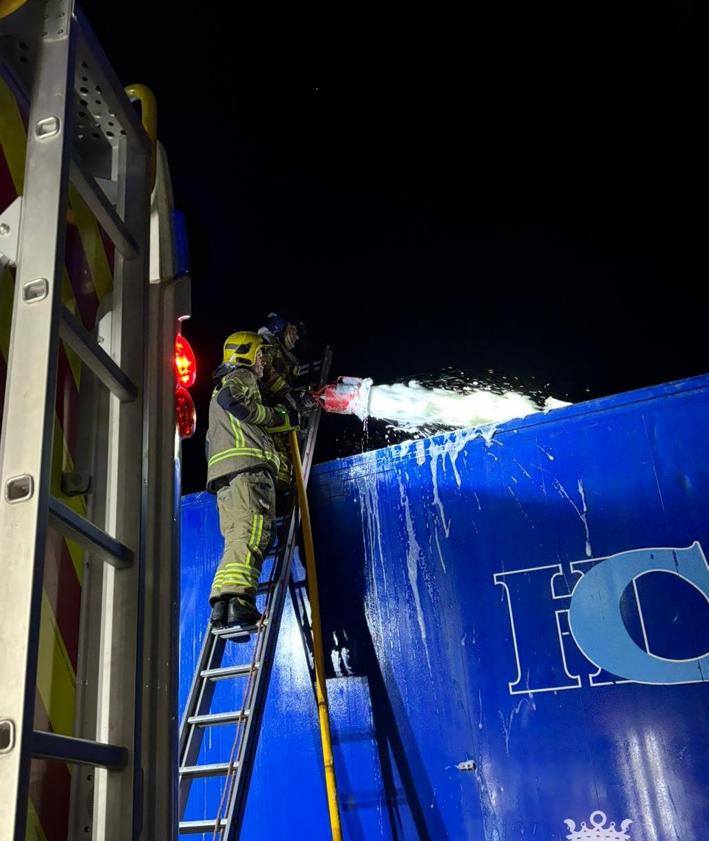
(219,611)
(242,611)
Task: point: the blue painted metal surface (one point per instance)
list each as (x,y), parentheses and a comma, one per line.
(181,247)
(463,706)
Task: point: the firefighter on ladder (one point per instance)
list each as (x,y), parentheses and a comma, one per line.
(242,466)
(281,369)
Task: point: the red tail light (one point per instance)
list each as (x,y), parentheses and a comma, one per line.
(186,412)
(185,363)
(185,376)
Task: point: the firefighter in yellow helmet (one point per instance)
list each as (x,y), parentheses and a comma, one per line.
(242,464)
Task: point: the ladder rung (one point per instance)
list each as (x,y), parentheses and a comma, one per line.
(195,827)
(239,630)
(84,532)
(194,771)
(213,719)
(102,209)
(228,671)
(266,587)
(79,751)
(95,357)
(232,633)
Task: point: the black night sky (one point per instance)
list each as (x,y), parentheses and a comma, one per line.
(475,186)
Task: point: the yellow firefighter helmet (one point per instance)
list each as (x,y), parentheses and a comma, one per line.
(241,348)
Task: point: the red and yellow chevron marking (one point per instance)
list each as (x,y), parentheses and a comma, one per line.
(87,277)
(45,779)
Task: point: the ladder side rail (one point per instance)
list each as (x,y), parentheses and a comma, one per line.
(202,692)
(118,796)
(194,735)
(28,417)
(314,423)
(205,658)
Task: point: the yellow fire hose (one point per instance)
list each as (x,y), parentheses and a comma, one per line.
(7,7)
(320,687)
(149,118)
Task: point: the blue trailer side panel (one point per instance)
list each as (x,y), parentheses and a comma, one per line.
(518,631)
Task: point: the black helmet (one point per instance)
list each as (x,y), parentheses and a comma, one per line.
(276,323)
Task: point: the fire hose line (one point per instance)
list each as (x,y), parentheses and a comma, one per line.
(320,685)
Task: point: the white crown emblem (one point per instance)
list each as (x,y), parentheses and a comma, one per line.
(598,831)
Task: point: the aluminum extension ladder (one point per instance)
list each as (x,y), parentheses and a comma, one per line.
(50,59)
(197,717)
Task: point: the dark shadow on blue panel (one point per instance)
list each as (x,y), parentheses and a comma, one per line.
(396,744)
(299,599)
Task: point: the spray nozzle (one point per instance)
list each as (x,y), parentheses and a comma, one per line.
(346,396)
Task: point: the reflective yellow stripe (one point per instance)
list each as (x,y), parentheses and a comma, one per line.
(254,525)
(260,531)
(245,452)
(239,579)
(256,529)
(233,565)
(236,429)
(242,580)
(251,538)
(276,384)
(224,576)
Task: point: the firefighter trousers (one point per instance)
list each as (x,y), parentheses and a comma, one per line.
(247,507)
